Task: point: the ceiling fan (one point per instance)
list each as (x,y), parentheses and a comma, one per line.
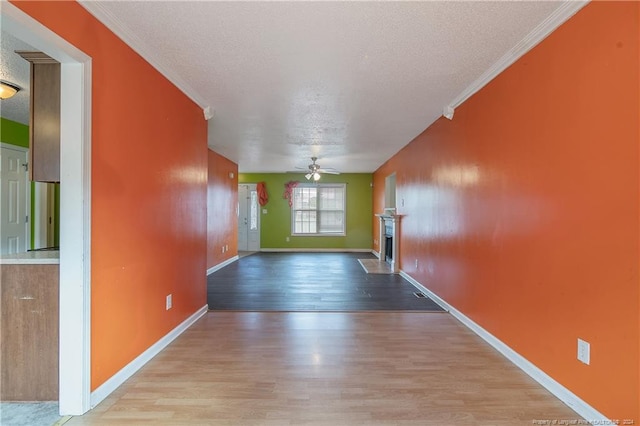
(315,170)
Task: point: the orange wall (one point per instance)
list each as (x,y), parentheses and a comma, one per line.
(149,192)
(222,199)
(523,210)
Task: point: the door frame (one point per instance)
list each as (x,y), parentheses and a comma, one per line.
(27,190)
(75,205)
(251,187)
(240,208)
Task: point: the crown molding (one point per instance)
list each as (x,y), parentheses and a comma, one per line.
(107,18)
(539,33)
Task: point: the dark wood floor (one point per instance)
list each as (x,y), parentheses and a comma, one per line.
(310,282)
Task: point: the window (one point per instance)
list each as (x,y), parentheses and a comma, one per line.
(253,214)
(318,210)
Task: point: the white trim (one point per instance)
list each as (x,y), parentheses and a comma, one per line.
(559,16)
(444,305)
(14,147)
(75,237)
(101,13)
(324,234)
(208,113)
(130,369)
(249,188)
(75,205)
(375,253)
(562,393)
(316,250)
(221,265)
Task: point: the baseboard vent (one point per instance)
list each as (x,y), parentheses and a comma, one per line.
(419,294)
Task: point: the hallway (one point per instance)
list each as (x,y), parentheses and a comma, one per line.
(373,368)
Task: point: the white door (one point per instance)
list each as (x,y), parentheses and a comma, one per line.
(248,218)
(14,229)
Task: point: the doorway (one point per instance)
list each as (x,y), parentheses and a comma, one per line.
(75,204)
(248,218)
(390,192)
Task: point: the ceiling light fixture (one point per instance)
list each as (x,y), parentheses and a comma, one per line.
(7,89)
(315,171)
(314,175)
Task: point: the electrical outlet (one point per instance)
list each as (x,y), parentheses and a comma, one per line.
(226,247)
(223,249)
(169,302)
(584,351)
(286,239)
(416,263)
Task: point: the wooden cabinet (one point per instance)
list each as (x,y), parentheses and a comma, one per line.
(29,326)
(44,122)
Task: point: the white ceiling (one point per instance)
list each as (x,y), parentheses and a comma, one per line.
(348,82)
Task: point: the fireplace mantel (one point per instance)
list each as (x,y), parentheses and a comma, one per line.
(394,221)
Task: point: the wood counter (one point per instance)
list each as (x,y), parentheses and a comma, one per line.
(29,332)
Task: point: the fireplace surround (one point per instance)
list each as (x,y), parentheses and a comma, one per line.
(388,237)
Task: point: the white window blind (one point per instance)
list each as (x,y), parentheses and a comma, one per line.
(318,210)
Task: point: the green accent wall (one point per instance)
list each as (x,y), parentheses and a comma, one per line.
(275,225)
(17,134)
(14,133)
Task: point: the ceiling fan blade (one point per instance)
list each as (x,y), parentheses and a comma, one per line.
(329,172)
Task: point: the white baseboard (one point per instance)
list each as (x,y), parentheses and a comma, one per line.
(130,369)
(316,250)
(375,253)
(221,265)
(563,394)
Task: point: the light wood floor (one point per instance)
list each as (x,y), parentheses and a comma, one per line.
(376,368)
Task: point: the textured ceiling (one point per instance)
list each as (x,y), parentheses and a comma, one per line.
(348,82)
(15,70)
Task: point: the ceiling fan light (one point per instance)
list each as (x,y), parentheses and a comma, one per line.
(316,176)
(308,176)
(7,90)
